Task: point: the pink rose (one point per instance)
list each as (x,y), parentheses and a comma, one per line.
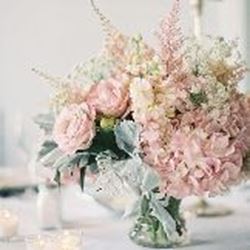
(110,97)
(75,128)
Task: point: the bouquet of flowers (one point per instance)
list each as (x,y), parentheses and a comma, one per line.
(163,123)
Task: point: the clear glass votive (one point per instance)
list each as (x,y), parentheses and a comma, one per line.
(69,239)
(40,242)
(56,240)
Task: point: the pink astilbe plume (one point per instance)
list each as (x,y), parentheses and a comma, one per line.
(115,42)
(171,40)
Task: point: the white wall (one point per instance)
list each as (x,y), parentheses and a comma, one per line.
(57,34)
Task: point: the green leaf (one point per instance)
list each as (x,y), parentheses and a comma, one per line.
(57,178)
(104,141)
(173,207)
(127,136)
(72,161)
(161,236)
(198,98)
(45,122)
(151,180)
(164,217)
(144,205)
(79,159)
(46,148)
(61,163)
(82,177)
(50,158)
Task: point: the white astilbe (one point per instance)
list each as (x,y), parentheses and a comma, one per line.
(95,70)
(218,58)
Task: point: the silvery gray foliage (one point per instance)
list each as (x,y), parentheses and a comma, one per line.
(45,122)
(131,177)
(69,161)
(127,136)
(159,211)
(56,159)
(139,175)
(105,160)
(45,148)
(51,157)
(142,179)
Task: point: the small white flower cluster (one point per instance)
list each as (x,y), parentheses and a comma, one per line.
(220,63)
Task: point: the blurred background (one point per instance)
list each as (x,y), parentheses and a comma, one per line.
(54,35)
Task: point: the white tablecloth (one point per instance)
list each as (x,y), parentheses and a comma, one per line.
(104,231)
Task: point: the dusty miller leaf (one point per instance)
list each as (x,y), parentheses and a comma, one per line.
(127,136)
(151,180)
(163,216)
(50,158)
(46,147)
(45,122)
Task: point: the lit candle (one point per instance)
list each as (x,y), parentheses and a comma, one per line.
(8,224)
(69,240)
(40,242)
(55,240)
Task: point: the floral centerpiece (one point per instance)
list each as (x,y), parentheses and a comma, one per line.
(163,123)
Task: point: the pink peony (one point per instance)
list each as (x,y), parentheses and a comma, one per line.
(110,97)
(75,128)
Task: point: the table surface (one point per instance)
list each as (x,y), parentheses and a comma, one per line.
(105,231)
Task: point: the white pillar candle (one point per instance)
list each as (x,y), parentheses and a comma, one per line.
(8,224)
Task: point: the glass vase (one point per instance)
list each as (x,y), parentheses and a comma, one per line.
(159,223)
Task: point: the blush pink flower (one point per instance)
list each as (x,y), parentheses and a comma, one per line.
(110,97)
(199,164)
(75,128)
(200,152)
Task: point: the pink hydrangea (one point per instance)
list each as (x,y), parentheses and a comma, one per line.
(75,128)
(204,151)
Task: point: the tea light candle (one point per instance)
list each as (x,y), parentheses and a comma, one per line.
(40,242)
(8,224)
(55,240)
(69,240)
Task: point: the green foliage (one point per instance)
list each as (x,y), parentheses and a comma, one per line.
(45,122)
(51,157)
(198,98)
(46,148)
(127,136)
(105,140)
(155,226)
(145,205)
(68,161)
